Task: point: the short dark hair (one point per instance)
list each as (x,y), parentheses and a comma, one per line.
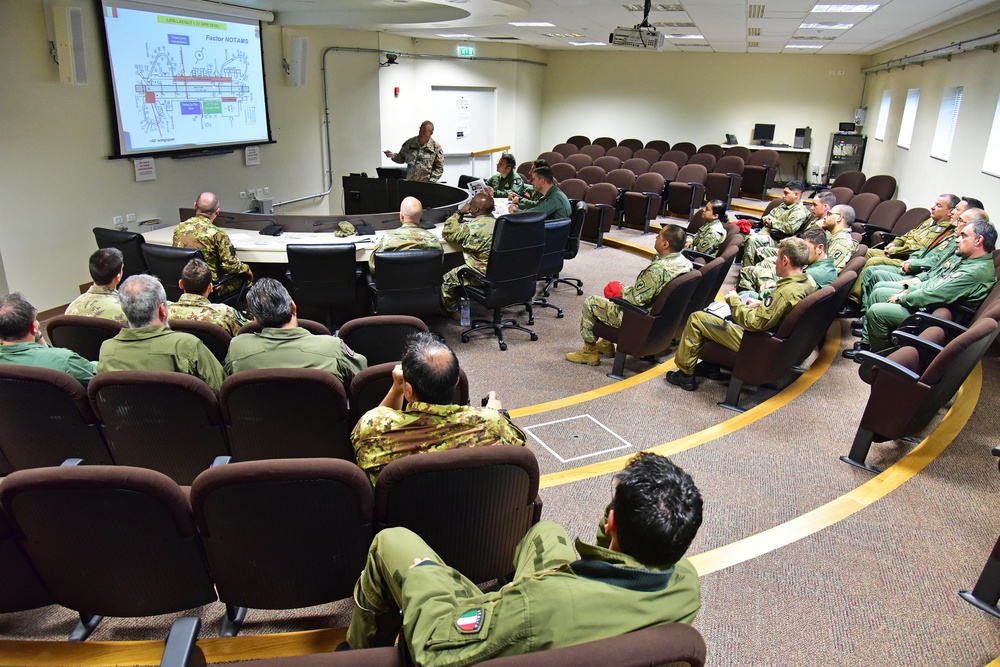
(16,316)
(545,173)
(674,235)
(431,368)
(797,186)
(719,208)
(509,159)
(539,163)
(826,197)
(196,276)
(105,265)
(972,202)
(270,303)
(816,236)
(981,226)
(657,510)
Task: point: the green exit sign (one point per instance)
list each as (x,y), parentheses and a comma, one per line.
(466,51)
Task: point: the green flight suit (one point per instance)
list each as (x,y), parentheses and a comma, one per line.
(157,348)
(42,356)
(703,325)
(785,221)
(928,235)
(968,280)
(554,600)
(555,203)
(476,238)
(407,237)
(925,261)
(648,285)
(293,347)
(505,185)
(98,301)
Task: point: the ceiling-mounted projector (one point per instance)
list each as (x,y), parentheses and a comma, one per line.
(638,37)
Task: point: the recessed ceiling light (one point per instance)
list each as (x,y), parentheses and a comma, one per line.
(639,7)
(563,35)
(826,26)
(589,43)
(454,35)
(804,46)
(683,37)
(846,9)
(532,24)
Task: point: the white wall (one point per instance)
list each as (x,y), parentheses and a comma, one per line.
(920,176)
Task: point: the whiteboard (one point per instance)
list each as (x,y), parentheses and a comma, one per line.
(464,121)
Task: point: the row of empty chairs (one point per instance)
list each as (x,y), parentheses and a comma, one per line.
(280,534)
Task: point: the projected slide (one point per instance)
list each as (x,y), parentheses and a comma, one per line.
(185,81)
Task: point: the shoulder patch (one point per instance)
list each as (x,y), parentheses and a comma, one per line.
(470,622)
(768,300)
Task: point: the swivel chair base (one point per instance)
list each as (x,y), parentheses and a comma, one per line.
(498,325)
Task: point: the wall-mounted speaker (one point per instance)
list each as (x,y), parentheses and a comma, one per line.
(859,115)
(70,46)
(297,61)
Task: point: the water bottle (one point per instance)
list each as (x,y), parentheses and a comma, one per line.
(466,318)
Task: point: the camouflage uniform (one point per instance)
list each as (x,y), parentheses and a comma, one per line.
(648,285)
(200,232)
(198,308)
(423,163)
(293,348)
(98,301)
(476,238)
(822,272)
(505,185)
(42,356)
(555,203)
(157,348)
(841,246)
(967,280)
(384,434)
(785,221)
(703,325)
(407,237)
(554,599)
(771,251)
(709,238)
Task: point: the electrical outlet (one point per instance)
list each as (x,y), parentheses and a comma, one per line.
(130,217)
(267,190)
(260,193)
(243,194)
(118,220)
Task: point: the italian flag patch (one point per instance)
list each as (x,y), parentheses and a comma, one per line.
(470,622)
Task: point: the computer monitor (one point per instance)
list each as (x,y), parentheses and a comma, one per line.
(763,134)
(847,127)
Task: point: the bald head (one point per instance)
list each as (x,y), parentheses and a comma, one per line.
(410,211)
(207,205)
(430,367)
(482,204)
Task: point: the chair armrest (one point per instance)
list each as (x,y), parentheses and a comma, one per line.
(920,321)
(870,228)
(996,451)
(629,306)
(609,207)
(221,461)
(468,270)
(181,648)
(71,462)
(872,360)
(888,237)
(744,216)
(694,254)
(925,348)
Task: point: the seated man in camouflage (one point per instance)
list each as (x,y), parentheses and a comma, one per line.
(430,422)
(754,315)
(634,577)
(149,344)
(200,232)
(476,238)
(21,342)
(409,236)
(785,219)
(709,237)
(667,265)
(762,279)
(283,343)
(196,281)
(820,207)
(506,181)
(101,298)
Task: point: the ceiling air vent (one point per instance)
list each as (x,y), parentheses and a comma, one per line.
(755,11)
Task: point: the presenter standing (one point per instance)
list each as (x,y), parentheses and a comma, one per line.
(423,156)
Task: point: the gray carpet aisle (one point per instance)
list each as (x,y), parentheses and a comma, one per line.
(878,588)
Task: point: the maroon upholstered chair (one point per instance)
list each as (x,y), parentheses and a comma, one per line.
(592,175)
(83,335)
(45,418)
(579,160)
(680,158)
(21,587)
(739,151)
(524,169)
(850,179)
(724,180)
(646,332)
(643,201)
(605,142)
(283,534)
(986,593)
(707,160)
(843,195)
(768,356)
(621,152)
(759,172)
(608,163)
(910,386)
(864,205)
(650,155)
(632,144)
(909,220)
(277,413)
(881,219)
(600,200)
(593,150)
(380,338)
(575,189)
(562,171)
(713,274)
(715,150)
(109,540)
(551,157)
(578,140)
(882,185)
(686,147)
(565,149)
(636,165)
(659,144)
(472,505)
(312,326)
(687,192)
(164,421)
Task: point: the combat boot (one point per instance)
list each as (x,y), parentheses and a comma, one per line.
(605,347)
(586,355)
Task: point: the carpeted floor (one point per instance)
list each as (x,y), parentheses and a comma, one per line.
(876,588)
